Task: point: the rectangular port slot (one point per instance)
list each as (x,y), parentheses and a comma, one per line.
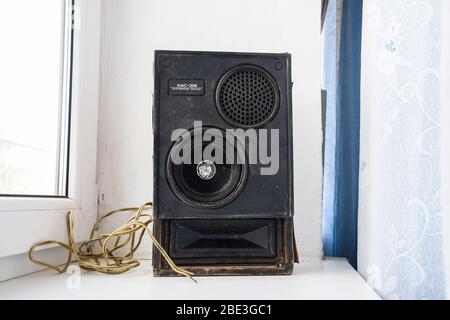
(193,239)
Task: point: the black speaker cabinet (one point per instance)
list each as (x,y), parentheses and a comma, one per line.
(222,218)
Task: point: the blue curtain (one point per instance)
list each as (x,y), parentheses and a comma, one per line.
(341,216)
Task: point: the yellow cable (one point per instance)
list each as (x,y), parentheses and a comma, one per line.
(95,254)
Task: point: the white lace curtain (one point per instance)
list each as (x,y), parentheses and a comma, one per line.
(405,122)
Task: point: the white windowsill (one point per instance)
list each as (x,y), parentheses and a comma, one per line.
(331,279)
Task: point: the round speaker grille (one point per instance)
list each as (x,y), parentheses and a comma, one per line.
(247,97)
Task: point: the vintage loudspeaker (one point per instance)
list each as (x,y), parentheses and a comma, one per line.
(222,218)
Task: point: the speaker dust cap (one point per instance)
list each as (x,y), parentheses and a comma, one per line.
(206,184)
(247,96)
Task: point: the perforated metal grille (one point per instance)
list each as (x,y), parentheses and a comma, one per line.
(247,97)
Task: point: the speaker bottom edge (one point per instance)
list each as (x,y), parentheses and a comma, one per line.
(214,270)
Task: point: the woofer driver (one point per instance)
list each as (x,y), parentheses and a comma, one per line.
(205,183)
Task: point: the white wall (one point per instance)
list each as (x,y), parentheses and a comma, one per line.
(133,29)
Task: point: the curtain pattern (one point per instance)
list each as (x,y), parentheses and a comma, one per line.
(400,212)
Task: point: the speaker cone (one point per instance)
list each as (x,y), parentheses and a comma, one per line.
(206,183)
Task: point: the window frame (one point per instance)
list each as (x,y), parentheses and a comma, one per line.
(26,220)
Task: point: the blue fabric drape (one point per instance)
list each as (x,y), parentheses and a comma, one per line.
(348,133)
(341,216)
